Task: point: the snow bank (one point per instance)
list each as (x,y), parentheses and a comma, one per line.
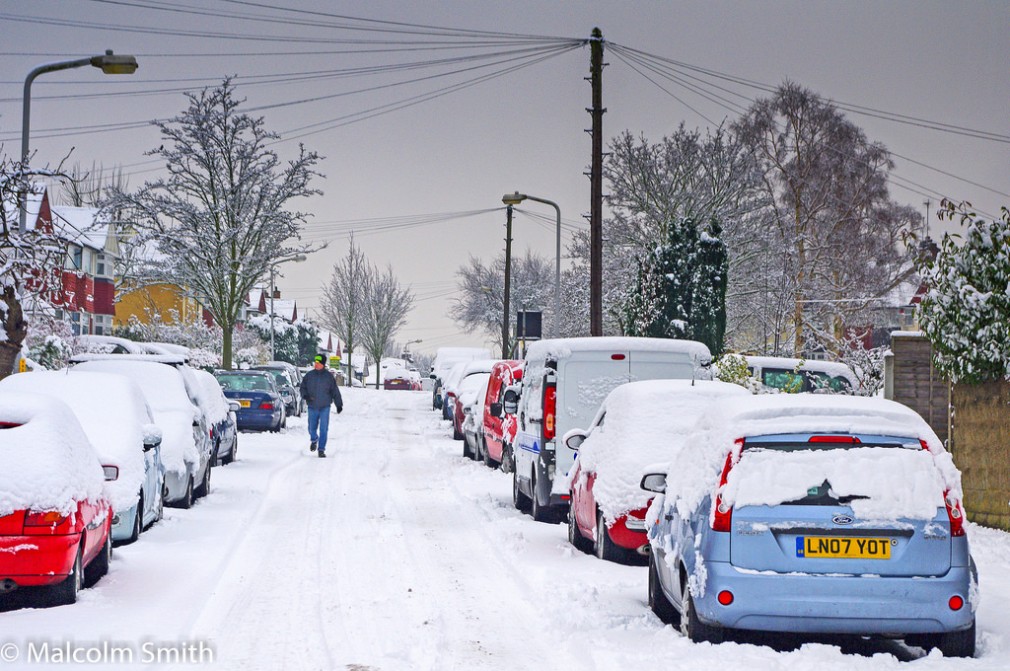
(646,422)
(111,410)
(46,463)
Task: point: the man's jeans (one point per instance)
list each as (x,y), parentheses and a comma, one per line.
(319,417)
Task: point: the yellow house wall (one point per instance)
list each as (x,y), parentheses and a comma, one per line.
(155,299)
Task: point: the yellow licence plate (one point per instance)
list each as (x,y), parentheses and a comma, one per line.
(833,547)
(244,403)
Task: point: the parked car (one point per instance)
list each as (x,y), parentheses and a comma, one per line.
(186,447)
(448,389)
(500,427)
(802,375)
(813,514)
(638,425)
(472,395)
(289,390)
(261,407)
(119,424)
(564,382)
(445,359)
(461,383)
(396,377)
(105,344)
(55,517)
(221,417)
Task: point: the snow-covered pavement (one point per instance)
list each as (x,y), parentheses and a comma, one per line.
(396,553)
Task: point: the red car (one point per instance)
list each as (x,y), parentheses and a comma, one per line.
(499,427)
(55,520)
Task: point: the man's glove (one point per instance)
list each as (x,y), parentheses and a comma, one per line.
(340,409)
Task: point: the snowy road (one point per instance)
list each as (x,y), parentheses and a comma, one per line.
(396,553)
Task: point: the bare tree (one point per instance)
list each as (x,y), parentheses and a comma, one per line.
(386,308)
(221,219)
(344,300)
(86,188)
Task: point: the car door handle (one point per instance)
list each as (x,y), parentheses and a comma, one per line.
(668,517)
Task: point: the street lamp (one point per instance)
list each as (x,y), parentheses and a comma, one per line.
(407,355)
(515,199)
(273,267)
(109,63)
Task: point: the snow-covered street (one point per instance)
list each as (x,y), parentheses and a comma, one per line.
(397,553)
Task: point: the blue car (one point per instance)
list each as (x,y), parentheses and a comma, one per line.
(813,515)
(261,407)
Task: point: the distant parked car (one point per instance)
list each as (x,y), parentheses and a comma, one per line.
(445,359)
(638,425)
(119,424)
(286,385)
(261,407)
(186,447)
(221,417)
(473,416)
(802,375)
(55,518)
(813,514)
(499,426)
(464,391)
(396,377)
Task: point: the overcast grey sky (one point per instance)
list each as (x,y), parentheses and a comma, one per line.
(399,177)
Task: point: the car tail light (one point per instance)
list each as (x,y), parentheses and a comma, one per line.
(617,357)
(834,439)
(725,597)
(550,410)
(8,425)
(49,518)
(266,405)
(722,514)
(955,513)
(956,602)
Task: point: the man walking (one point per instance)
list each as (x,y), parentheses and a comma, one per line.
(319,389)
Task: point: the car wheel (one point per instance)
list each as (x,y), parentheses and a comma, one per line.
(951,644)
(204,488)
(457,434)
(539,512)
(230,457)
(65,593)
(519,500)
(99,566)
(575,536)
(485,456)
(604,546)
(692,627)
(160,510)
(658,602)
(187,500)
(507,464)
(138,521)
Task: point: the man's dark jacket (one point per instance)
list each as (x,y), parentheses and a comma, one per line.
(319,389)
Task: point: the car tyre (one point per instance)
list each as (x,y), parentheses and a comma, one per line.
(575,536)
(99,566)
(604,546)
(507,463)
(519,500)
(951,644)
(458,435)
(204,488)
(65,593)
(485,456)
(691,626)
(186,501)
(230,457)
(540,513)
(658,602)
(138,521)
(160,511)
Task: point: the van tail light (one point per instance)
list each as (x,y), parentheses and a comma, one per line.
(955,513)
(266,405)
(550,410)
(722,514)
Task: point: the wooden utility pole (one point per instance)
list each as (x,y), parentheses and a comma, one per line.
(596,187)
(508,278)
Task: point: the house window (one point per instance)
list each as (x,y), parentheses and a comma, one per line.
(75,322)
(103,266)
(75,258)
(88,265)
(103,324)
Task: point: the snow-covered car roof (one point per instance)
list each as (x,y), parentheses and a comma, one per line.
(171,359)
(560,347)
(898,482)
(832,368)
(105,344)
(646,422)
(212,398)
(470,386)
(113,413)
(46,460)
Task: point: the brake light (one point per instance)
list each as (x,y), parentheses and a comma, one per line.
(550,408)
(834,439)
(955,602)
(8,425)
(725,597)
(722,514)
(617,357)
(49,518)
(954,513)
(266,405)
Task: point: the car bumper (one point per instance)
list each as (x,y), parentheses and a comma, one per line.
(122,523)
(257,420)
(633,538)
(863,605)
(31,561)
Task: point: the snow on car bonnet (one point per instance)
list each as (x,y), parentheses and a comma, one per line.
(646,423)
(113,414)
(212,399)
(46,461)
(899,482)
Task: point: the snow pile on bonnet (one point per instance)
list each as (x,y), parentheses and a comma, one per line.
(46,461)
(647,422)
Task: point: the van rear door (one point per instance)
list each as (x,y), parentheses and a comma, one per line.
(645,365)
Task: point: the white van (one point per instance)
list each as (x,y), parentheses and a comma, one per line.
(564,383)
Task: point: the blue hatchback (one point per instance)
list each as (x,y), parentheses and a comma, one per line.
(834,530)
(261,407)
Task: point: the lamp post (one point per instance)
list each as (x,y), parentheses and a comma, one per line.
(273,267)
(516,198)
(110,64)
(407,355)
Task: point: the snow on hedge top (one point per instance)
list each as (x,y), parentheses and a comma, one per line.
(211,397)
(166,393)
(561,347)
(46,461)
(113,413)
(645,423)
(900,482)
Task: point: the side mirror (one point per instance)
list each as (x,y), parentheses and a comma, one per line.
(111,473)
(511,404)
(654,482)
(234,406)
(495,409)
(433,376)
(573,439)
(152,436)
